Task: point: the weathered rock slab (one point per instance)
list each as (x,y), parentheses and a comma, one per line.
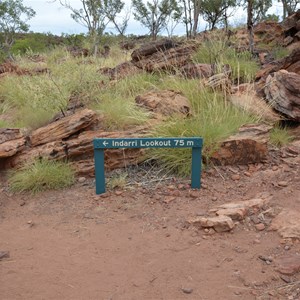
(282,92)
(164,103)
(10,148)
(249,145)
(63,128)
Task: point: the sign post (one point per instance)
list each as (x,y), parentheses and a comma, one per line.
(195,143)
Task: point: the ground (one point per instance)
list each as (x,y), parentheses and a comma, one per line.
(135,242)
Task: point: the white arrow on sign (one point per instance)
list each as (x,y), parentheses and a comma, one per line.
(105,143)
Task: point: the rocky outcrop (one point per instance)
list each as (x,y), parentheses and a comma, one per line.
(249,145)
(121,71)
(282,92)
(197,70)
(164,103)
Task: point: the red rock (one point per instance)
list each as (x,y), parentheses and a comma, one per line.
(288,264)
(260,226)
(219,224)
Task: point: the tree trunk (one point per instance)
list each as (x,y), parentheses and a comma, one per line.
(250,25)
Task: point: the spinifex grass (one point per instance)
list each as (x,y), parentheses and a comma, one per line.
(41,175)
(213,119)
(280,136)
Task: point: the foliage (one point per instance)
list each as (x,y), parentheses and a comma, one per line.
(41,175)
(12,15)
(213,119)
(289,7)
(154,15)
(36,99)
(216,11)
(215,51)
(117,181)
(280,52)
(280,136)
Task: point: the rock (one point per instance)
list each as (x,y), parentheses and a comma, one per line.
(9,134)
(260,226)
(287,223)
(247,204)
(81,179)
(169,199)
(268,32)
(63,128)
(164,103)
(4,254)
(10,148)
(283,183)
(288,264)
(219,223)
(163,55)
(187,290)
(249,145)
(121,71)
(291,63)
(282,92)
(234,213)
(197,70)
(235,177)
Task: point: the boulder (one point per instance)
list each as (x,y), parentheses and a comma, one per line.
(121,71)
(63,128)
(249,145)
(164,103)
(288,264)
(282,92)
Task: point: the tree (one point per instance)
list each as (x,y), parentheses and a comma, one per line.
(191,12)
(154,15)
(289,7)
(13,19)
(215,11)
(95,15)
(256,11)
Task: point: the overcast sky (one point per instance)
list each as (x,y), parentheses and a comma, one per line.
(52,17)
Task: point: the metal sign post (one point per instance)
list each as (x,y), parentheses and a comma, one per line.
(195,143)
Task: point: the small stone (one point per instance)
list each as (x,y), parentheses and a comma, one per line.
(175,193)
(187,290)
(256,241)
(260,226)
(214,198)
(274,168)
(248,174)
(204,186)
(283,183)
(194,194)
(4,254)
(118,193)
(81,179)
(169,199)
(171,187)
(22,203)
(285,278)
(287,247)
(235,177)
(181,186)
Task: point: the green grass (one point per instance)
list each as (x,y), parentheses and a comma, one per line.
(4,124)
(41,175)
(280,52)
(117,181)
(280,136)
(217,52)
(214,119)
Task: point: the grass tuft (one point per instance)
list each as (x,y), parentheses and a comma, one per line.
(41,175)
(280,136)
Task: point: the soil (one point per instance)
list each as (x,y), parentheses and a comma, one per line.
(135,242)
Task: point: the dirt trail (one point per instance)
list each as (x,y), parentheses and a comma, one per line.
(136,243)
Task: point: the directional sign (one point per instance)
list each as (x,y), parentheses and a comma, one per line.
(107,143)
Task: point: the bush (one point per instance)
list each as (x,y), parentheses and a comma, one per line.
(41,175)
(215,52)
(280,136)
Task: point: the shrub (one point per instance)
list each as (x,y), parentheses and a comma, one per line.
(280,136)
(41,175)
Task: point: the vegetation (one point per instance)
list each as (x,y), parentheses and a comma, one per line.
(117,181)
(41,175)
(280,136)
(215,51)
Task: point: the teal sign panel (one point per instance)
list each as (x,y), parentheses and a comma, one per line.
(195,143)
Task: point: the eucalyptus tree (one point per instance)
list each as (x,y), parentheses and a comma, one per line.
(95,15)
(13,19)
(289,7)
(155,15)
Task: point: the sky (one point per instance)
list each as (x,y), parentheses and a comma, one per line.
(52,17)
